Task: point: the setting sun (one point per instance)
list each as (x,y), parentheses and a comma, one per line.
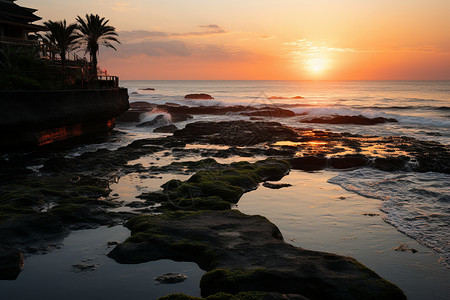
(316,65)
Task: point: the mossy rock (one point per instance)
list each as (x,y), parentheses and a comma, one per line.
(227,182)
(198,203)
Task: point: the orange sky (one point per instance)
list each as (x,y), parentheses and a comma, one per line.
(270,39)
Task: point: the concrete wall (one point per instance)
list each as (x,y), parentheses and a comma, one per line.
(27,113)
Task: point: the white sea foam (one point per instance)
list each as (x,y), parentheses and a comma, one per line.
(417,204)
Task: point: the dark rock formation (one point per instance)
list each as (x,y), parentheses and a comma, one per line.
(147,89)
(356,120)
(166,129)
(158,120)
(390,163)
(236,133)
(199,97)
(11,263)
(348,161)
(270,112)
(309,163)
(247,253)
(276,186)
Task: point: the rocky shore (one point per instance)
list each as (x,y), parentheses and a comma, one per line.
(195,222)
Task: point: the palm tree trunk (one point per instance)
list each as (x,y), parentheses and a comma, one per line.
(94,63)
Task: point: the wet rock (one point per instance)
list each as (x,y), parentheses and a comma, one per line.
(166,129)
(113,243)
(130,116)
(276,186)
(11,263)
(83,267)
(199,97)
(348,161)
(134,93)
(270,112)
(236,133)
(158,120)
(309,163)
(247,253)
(370,214)
(136,204)
(405,247)
(147,89)
(171,278)
(141,105)
(355,120)
(176,118)
(390,163)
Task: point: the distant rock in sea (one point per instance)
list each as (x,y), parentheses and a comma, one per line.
(147,89)
(355,120)
(199,96)
(281,98)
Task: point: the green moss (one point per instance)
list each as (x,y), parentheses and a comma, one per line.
(198,203)
(142,237)
(227,183)
(227,280)
(196,165)
(66,209)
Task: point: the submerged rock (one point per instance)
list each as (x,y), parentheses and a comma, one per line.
(276,186)
(171,278)
(247,253)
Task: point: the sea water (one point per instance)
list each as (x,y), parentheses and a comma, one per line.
(417,204)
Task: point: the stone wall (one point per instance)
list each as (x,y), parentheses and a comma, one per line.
(25,114)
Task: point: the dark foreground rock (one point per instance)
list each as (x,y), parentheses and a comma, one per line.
(199,96)
(355,120)
(247,253)
(11,263)
(166,129)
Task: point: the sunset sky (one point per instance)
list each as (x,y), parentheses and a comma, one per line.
(270,39)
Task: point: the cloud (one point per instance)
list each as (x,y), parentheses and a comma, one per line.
(136,36)
(140,35)
(153,48)
(305,47)
(213,30)
(211,26)
(120,6)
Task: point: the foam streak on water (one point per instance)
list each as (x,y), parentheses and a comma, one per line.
(417,204)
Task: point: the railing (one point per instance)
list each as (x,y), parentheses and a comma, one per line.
(16,41)
(108,82)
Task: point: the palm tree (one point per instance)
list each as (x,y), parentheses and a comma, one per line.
(95,32)
(62,37)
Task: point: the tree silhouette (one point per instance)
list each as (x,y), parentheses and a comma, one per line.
(96,32)
(62,37)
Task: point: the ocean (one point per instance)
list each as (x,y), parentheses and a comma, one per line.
(364,213)
(417,204)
